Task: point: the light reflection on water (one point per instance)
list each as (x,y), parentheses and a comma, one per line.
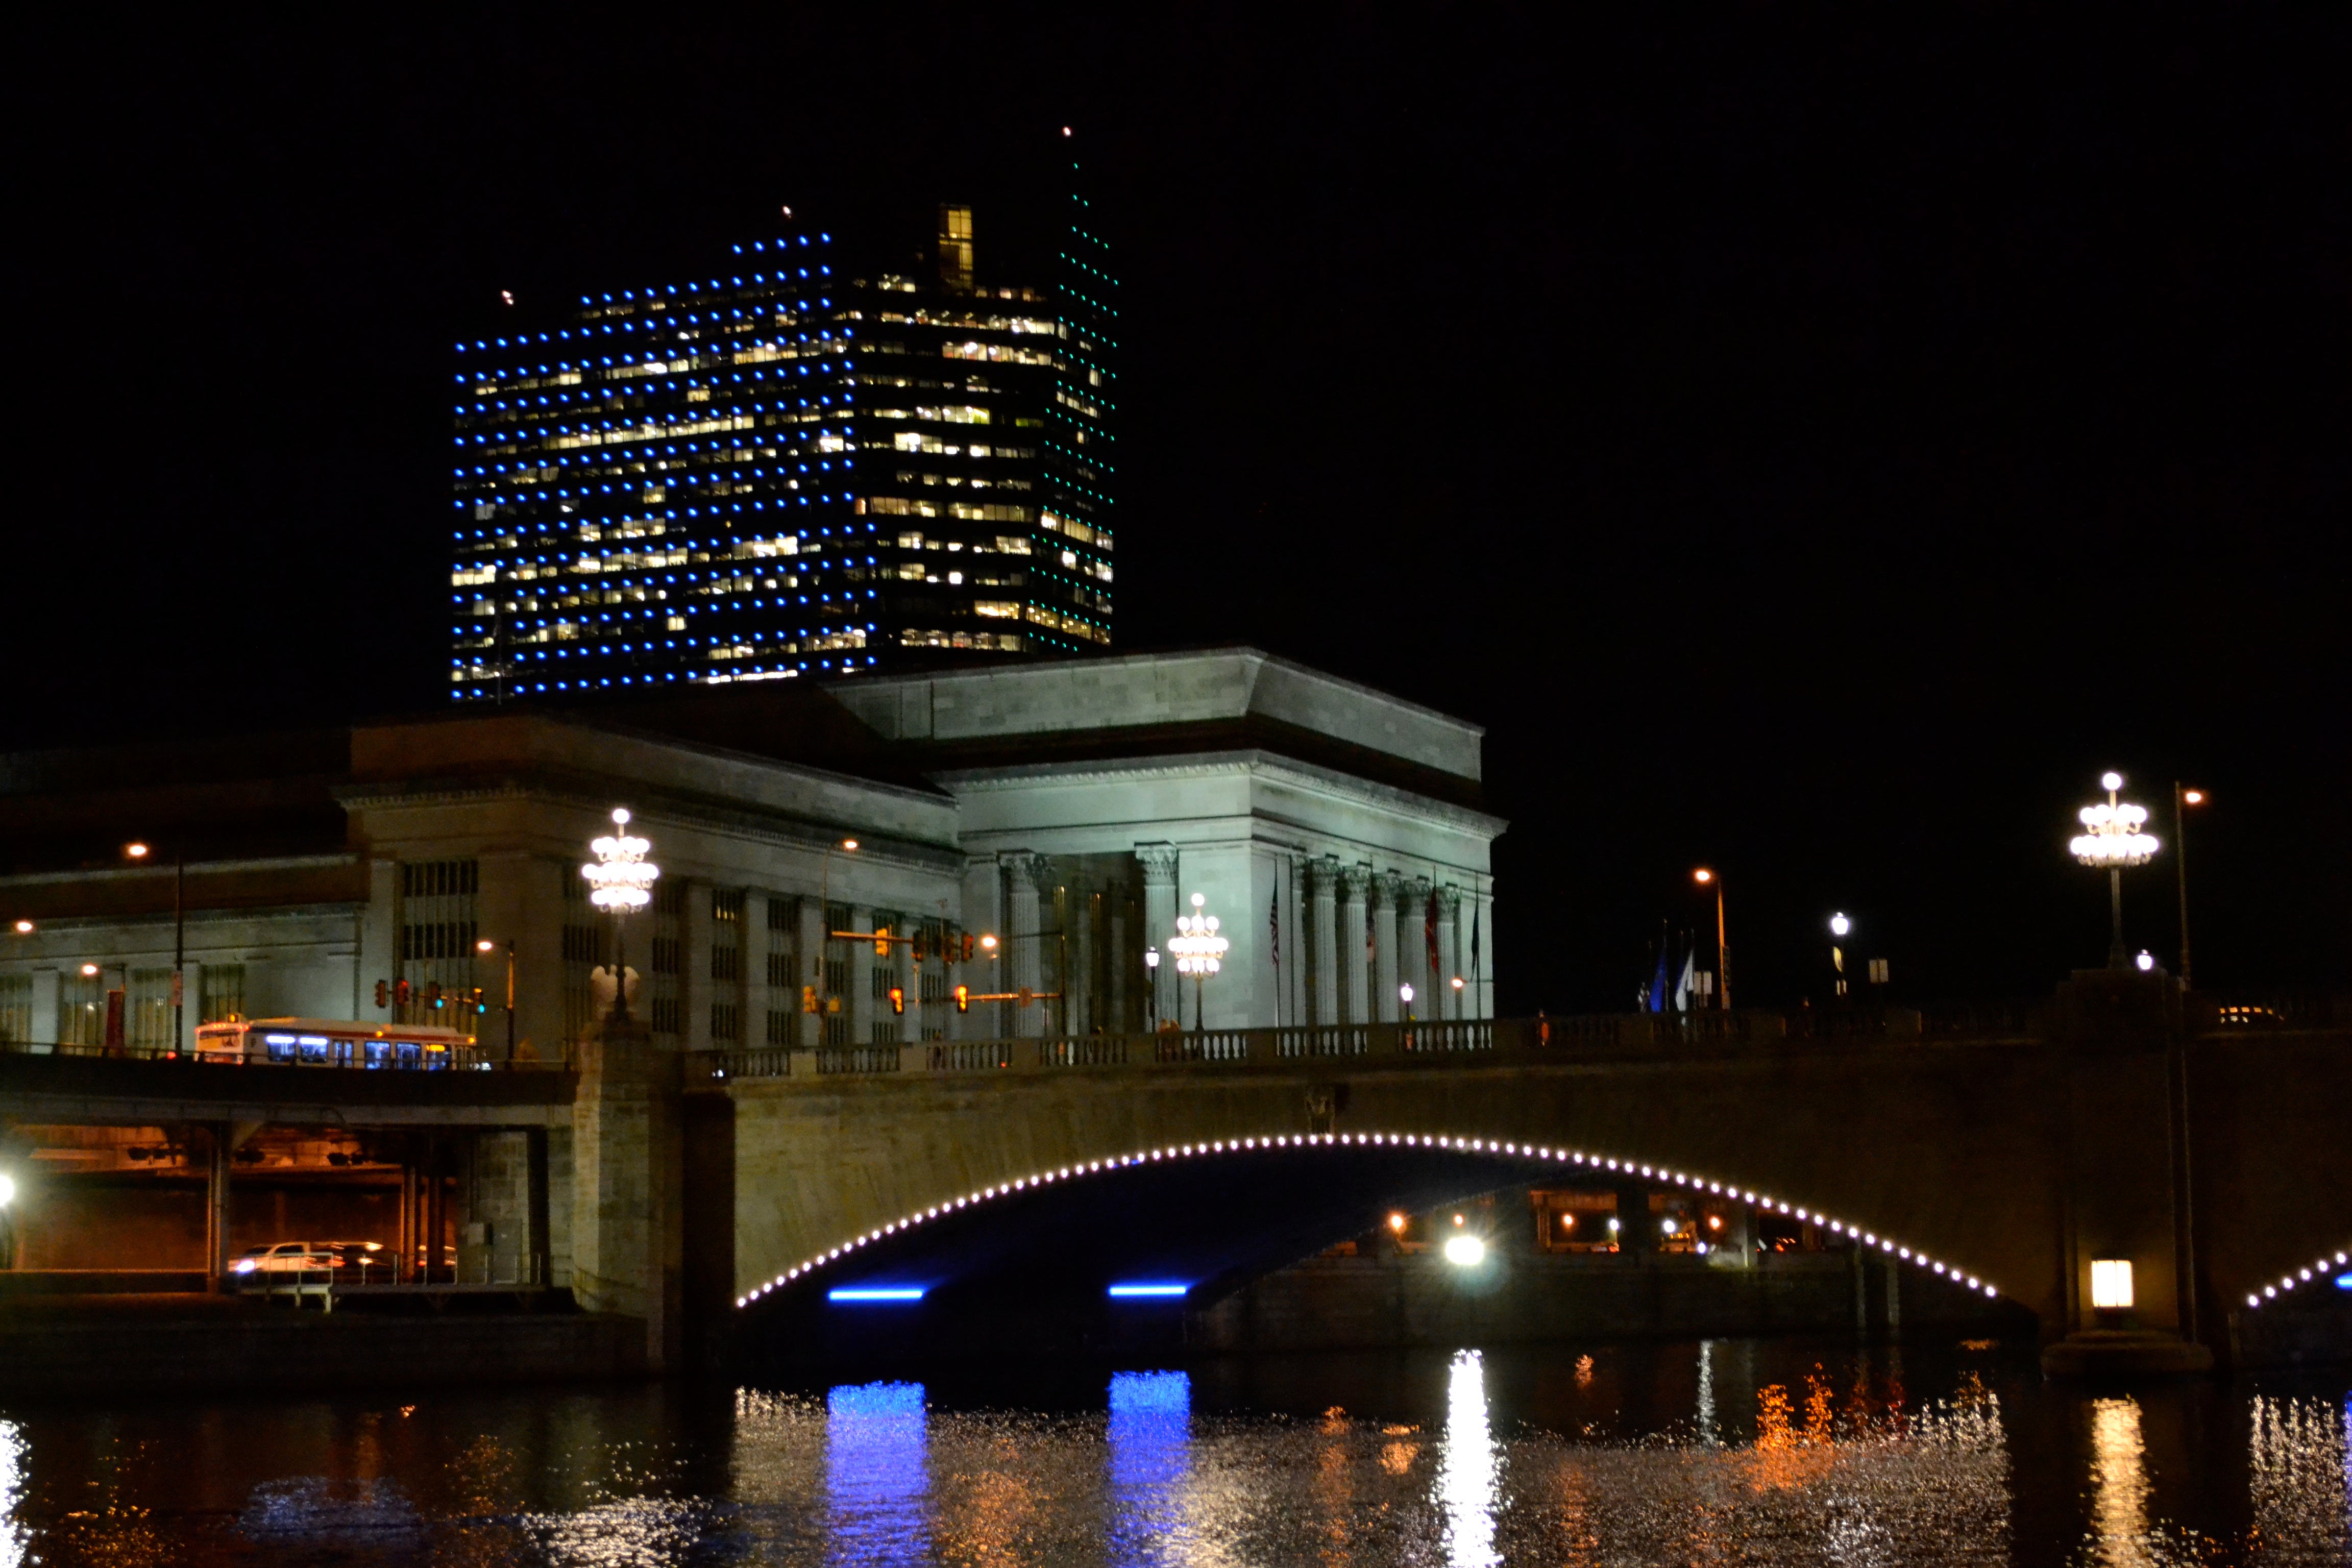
(1469,1461)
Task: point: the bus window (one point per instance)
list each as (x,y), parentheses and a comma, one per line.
(409,1053)
(437,1054)
(313,1049)
(379,1053)
(281,1046)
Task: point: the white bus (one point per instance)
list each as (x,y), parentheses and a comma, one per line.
(327,1043)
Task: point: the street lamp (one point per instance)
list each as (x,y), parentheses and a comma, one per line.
(1706,879)
(620,882)
(1404,997)
(1152,990)
(2115,841)
(140,850)
(1200,951)
(2181,799)
(1839,927)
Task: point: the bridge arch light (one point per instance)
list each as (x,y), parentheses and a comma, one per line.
(1408,1139)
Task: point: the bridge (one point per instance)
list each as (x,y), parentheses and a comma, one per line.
(1993,1153)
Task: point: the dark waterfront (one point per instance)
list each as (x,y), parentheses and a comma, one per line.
(1722,1451)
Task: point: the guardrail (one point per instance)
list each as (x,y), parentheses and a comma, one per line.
(1465,1042)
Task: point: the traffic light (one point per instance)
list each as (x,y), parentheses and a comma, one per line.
(383,994)
(480,1006)
(966,947)
(400,992)
(898,999)
(433,992)
(808,999)
(963,998)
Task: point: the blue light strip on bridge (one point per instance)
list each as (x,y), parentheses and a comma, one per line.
(872,1293)
(1149,1290)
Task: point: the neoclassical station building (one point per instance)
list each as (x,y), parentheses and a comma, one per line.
(822,846)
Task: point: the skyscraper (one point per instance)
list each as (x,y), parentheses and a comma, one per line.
(804,462)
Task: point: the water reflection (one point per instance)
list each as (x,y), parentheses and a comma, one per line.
(1466,1472)
(1150,1442)
(2119,1486)
(13,1535)
(2300,1480)
(877,1482)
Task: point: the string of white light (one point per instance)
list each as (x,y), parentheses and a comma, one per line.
(1571,1157)
(2299,1277)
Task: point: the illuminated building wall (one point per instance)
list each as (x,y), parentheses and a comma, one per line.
(801,465)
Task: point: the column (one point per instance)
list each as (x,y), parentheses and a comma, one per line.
(909,980)
(1386,885)
(809,955)
(45,1003)
(1482,977)
(1159,923)
(1323,886)
(859,1006)
(1412,948)
(1118,959)
(1355,984)
(696,989)
(1024,971)
(1450,1003)
(1081,1006)
(759,939)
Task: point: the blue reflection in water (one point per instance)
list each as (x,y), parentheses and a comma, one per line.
(1151,1455)
(875,1478)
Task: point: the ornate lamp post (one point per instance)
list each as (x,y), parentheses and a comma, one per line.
(1200,951)
(620,882)
(2114,841)
(1839,928)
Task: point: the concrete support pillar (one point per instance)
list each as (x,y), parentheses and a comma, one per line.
(1159,923)
(1386,886)
(1020,872)
(1451,1004)
(1323,888)
(628,1219)
(859,1006)
(809,953)
(1355,981)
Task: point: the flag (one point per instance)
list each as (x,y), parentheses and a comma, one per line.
(1429,934)
(1274,925)
(1687,985)
(1655,1002)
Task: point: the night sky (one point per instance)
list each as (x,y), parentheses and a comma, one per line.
(1815,444)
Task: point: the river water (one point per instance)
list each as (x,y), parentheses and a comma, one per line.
(1725,1451)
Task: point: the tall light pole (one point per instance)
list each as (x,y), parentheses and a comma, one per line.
(1839,927)
(1199,952)
(2115,841)
(2181,799)
(1704,879)
(620,882)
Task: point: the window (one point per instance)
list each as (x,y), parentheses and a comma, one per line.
(780,969)
(15,1009)
(725,963)
(579,946)
(665,956)
(1001,609)
(726,905)
(221,993)
(150,1023)
(726,1021)
(664,1016)
(81,1010)
(779,1027)
(780,914)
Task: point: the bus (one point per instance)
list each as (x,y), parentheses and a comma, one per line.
(329,1043)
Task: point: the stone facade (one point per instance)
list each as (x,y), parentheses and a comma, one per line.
(1069,810)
